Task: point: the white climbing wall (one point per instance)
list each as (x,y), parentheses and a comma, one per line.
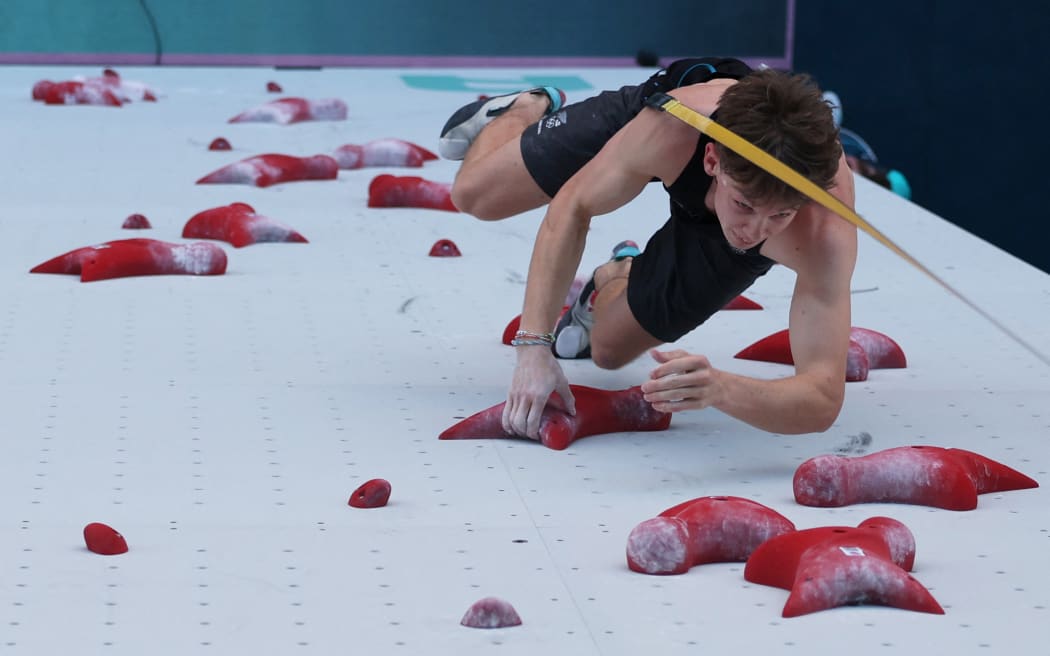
(221,423)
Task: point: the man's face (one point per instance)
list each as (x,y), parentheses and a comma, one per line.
(744,222)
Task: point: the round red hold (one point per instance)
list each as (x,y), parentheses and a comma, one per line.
(372,494)
(444,248)
(491,613)
(273,87)
(136,222)
(219,144)
(104,540)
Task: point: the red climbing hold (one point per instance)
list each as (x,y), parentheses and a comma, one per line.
(273,87)
(490,613)
(445,248)
(104,540)
(703,530)
(372,494)
(868,350)
(597,412)
(108,90)
(382,152)
(833,566)
(410,191)
(920,475)
(294,110)
(136,222)
(219,143)
(239,225)
(137,257)
(266,170)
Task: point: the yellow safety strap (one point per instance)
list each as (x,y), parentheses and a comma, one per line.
(797,181)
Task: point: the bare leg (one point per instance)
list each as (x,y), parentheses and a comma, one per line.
(616,337)
(493,182)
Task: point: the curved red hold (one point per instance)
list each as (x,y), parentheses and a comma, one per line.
(137,257)
(444,248)
(271,169)
(294,110)
(742,303)
(102,539)
(703,530)
(410,191)
(108,90)
(880,351)
(136,222)
(515,324)
(239,225)
(835,566)
(371,494)
(597,411)
(382,152)
(273,87)
(490,613)
(74,92)
(920,475)
(220,143)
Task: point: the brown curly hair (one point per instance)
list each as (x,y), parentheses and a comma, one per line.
(785,115)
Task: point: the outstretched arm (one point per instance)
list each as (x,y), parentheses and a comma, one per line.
(651,145)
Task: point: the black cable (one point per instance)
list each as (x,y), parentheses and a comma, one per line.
(157,48)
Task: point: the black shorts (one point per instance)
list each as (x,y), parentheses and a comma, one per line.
(687,271)
(558,145)
(685,274)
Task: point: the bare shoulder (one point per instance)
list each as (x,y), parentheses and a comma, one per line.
(818,241)
(703,97)
(654,143)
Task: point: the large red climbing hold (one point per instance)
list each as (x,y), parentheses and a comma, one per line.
(868,349)
(597,412)
(382,152)
(137,257)
(919,475)
(834,566)
(703,530)
(239,225)
(410,191)
(271,169)
(285,111)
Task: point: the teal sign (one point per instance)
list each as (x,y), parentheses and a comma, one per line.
(495,85)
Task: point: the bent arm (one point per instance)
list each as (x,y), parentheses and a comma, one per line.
(823,251)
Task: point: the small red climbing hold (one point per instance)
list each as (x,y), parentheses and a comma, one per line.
(372,494)
(136,222)
(273,87)
(104,540)
(490,613)
(444,248)
(220,143)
